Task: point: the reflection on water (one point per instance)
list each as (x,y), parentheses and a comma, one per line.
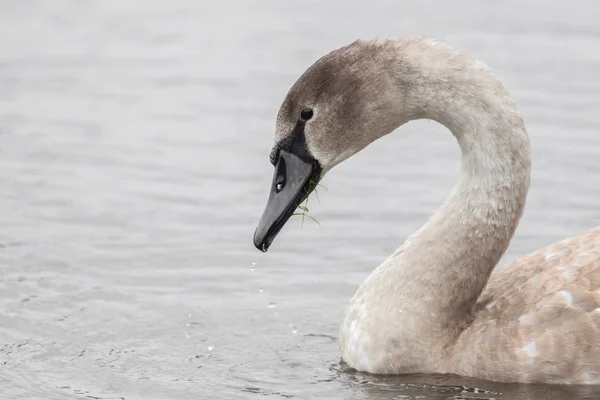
(450,387)
(134,141)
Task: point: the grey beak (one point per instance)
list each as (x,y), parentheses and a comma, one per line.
(293,181)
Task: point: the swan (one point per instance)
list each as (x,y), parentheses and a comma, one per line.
(437,305)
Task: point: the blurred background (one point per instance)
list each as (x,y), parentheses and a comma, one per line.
(134,142)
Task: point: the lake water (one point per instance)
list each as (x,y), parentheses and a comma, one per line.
(134,142)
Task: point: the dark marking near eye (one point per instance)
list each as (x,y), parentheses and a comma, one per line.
(294,143)
(274,155)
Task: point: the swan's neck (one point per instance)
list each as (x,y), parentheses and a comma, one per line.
(425,293)
(446,264)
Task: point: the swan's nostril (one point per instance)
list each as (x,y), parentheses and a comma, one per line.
(279,187)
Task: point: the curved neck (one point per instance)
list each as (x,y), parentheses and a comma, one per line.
(445,265)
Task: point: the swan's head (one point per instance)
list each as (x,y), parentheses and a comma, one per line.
(337,107)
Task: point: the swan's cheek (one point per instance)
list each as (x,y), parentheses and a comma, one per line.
(329,152)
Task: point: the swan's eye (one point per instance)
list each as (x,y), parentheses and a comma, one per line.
(306,114)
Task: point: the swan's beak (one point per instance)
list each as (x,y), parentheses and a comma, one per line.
(293,181)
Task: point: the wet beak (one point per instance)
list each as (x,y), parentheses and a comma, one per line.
(293,181)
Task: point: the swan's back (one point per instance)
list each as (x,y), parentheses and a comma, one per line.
(540,314)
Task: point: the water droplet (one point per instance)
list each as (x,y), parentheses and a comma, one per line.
(264,247)
(187,335)
(211,347)
(253,267)
(190,315)
(294,330)
(260,289)
(272,305)
(187,325)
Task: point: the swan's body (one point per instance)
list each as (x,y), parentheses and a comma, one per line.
(435,305)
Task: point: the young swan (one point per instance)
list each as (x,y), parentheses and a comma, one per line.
(432,307)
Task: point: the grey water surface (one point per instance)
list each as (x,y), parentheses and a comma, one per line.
(134,142)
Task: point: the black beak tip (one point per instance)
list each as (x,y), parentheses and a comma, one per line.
(261,244)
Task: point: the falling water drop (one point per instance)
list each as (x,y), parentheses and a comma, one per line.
(260,289)
(210,348)
(272,305)
(253,267)
(187,335)
(294,330)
